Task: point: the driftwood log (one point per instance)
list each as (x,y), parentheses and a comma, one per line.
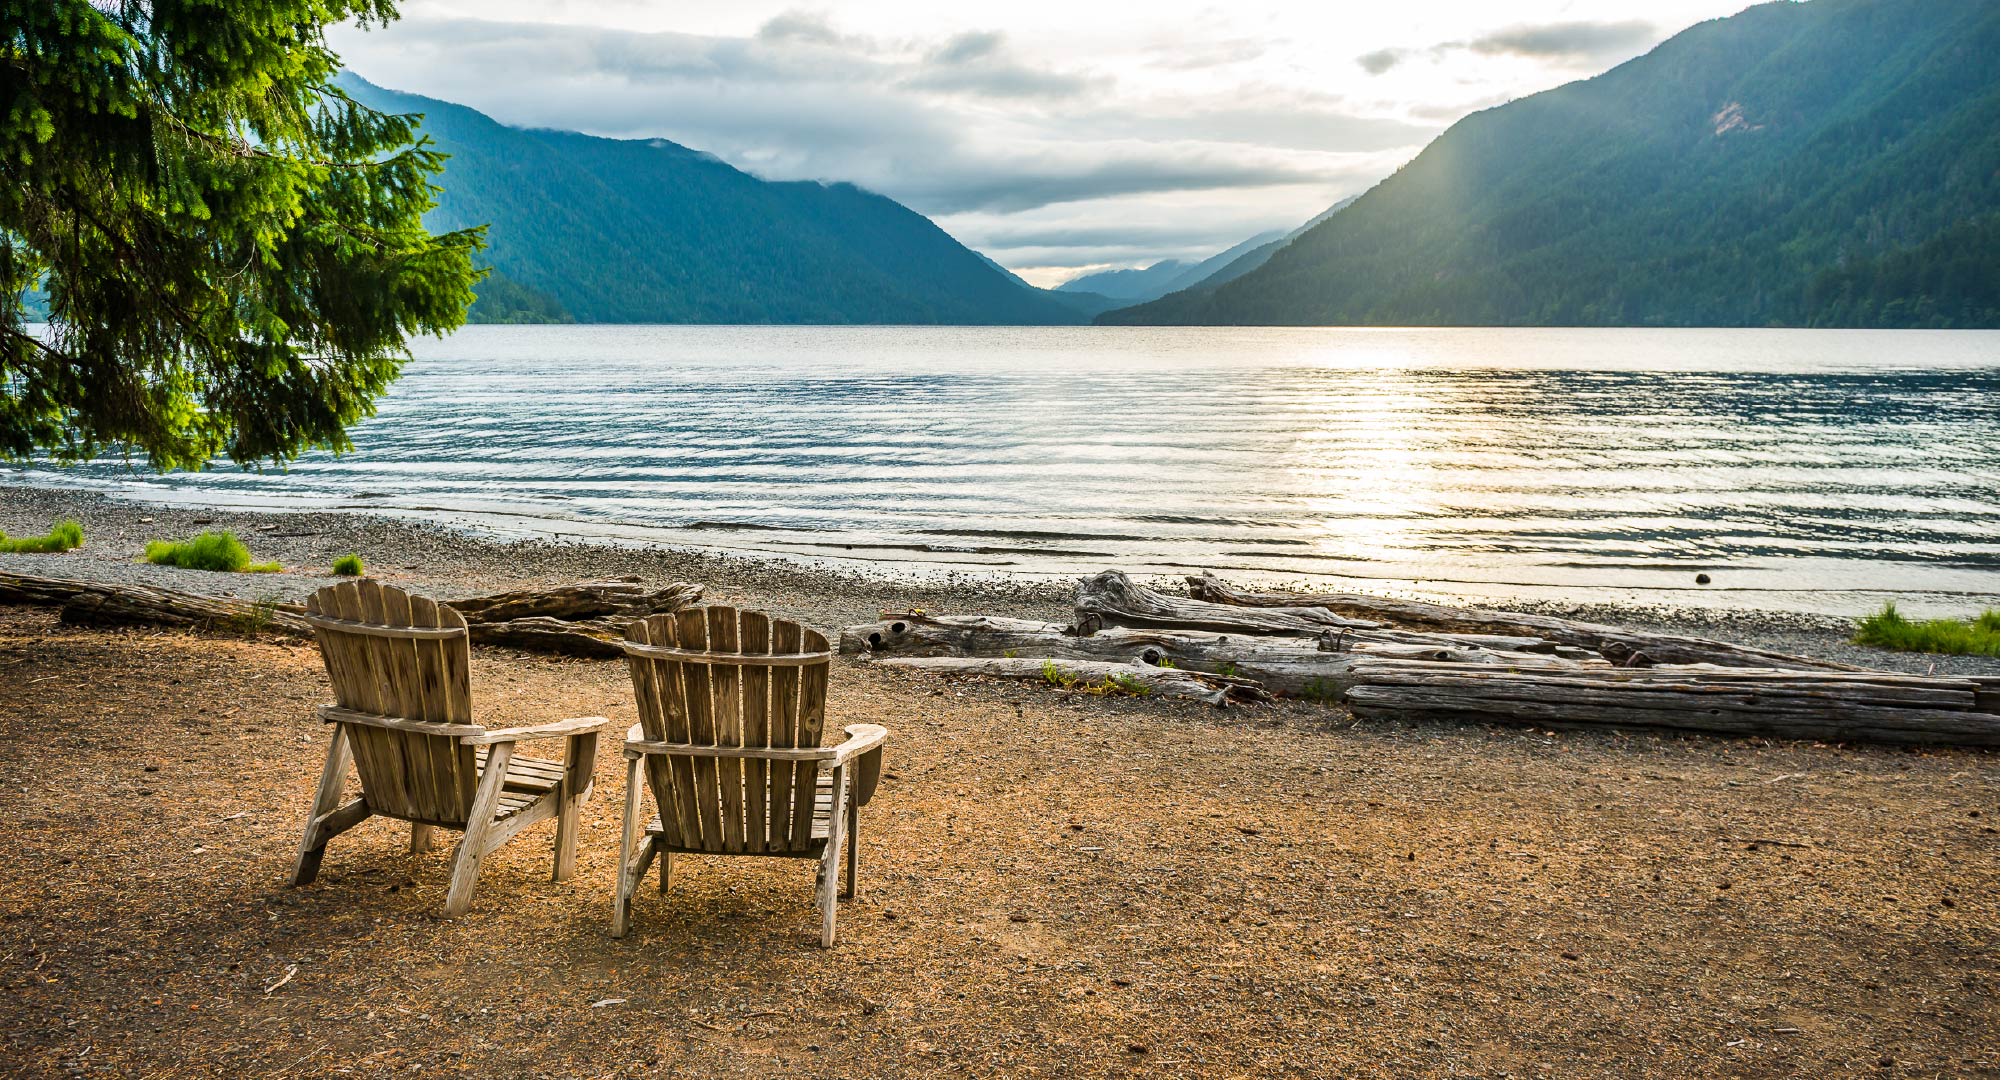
(586,619)
(1789,704)
(1619,645)
(1097,676)
(1112,599)
(85,603)
(626,597)
(1296,667)
(574,620)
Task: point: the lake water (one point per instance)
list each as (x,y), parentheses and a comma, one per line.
(1818,470)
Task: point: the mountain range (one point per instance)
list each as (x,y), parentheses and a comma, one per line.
(1820,164)
(618,230)
(1829,163)
(1169,275)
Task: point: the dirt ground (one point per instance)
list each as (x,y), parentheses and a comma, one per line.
(1051,885)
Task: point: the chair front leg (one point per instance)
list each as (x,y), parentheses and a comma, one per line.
(621,911)
(472,845)
(830,859)
(854,839)
(326,799)
(578,761)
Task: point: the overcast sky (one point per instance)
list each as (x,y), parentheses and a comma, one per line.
(1057,136)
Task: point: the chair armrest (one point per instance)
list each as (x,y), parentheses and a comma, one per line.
(576,725)
(866,766)
(861,739)
(334,714)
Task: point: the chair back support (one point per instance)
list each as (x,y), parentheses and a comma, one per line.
(420,673)
(714,676)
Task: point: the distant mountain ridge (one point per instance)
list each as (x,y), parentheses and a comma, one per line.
(1166,276)
(617,230)
(1830,163)
(1143,283)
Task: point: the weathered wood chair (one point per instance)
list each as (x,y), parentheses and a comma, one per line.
(731,704)
(403,714)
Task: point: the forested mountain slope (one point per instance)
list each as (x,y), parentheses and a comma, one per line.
(1830,163)
(614,230)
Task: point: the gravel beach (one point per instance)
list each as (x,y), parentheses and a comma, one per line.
(450,560)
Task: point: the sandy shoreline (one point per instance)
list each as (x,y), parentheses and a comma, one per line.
(449,559)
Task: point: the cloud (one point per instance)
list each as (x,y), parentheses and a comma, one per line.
(1195,56)
(977,63)
(804,26)
(968,47)
(1375,63)
(1010,153)
(1579,42)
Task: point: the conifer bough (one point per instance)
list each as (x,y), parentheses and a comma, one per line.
(232,250)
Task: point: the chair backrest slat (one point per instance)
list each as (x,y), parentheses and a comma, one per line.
(785,638)
(404,774)
(754,638)
(726,714)
(697,695)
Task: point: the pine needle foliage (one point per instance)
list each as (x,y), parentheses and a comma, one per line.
(232,249)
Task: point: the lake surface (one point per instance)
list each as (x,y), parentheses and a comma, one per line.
(1816,470)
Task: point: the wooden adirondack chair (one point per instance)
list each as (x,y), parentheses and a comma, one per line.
(731,705)
(403,714)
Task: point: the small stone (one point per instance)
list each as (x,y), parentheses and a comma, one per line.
(1570,956)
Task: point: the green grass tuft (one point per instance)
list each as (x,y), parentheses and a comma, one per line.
(258,618)
(220,551)
(349,565)
(1978,636)
(65,535)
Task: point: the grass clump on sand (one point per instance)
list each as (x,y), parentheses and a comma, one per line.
(349,565)
(1114,684)
(1978,636)
(65,535)
(210,551)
